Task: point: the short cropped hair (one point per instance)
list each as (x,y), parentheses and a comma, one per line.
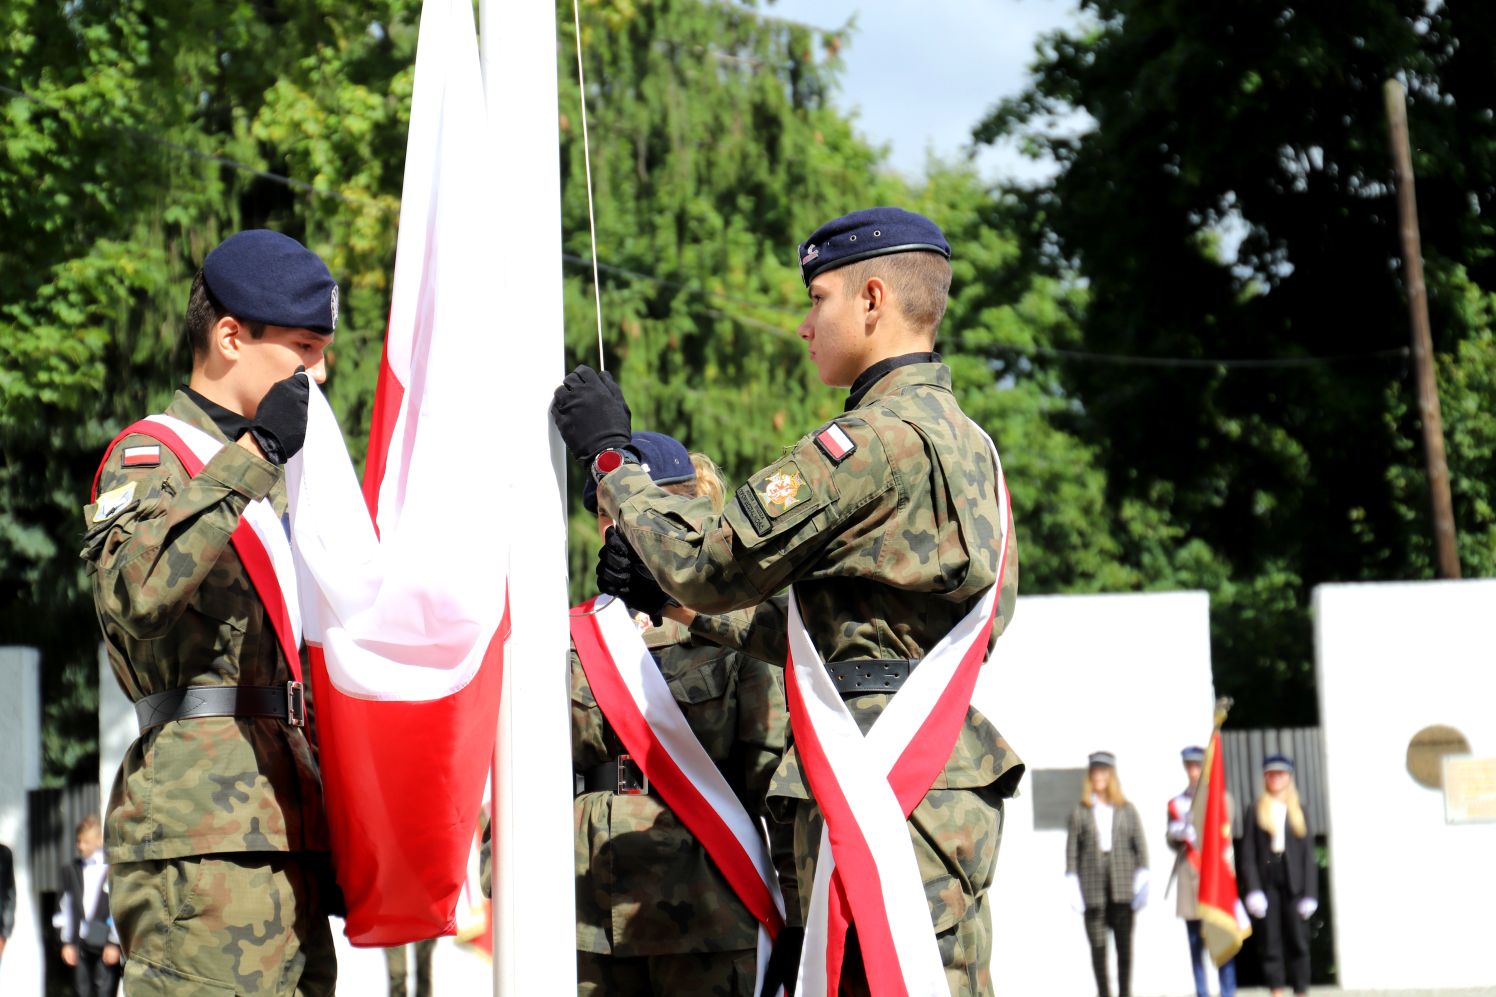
(920,281)
(88,825)
(203,312)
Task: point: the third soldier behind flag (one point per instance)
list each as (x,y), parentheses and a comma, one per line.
(891,525)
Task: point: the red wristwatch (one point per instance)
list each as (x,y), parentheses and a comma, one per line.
(610,460)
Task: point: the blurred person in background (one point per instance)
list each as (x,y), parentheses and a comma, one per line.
(1280,878)
(1186,876)
(7,895)
(1106,867)
(90,946)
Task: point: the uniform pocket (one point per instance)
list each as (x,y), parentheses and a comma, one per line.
(144,978)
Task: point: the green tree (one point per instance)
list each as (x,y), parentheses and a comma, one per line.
(1264,119)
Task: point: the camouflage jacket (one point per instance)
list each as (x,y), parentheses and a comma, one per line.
(644,885)
(177,609)
(888,549)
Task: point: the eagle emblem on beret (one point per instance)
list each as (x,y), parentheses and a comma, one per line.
(334,306)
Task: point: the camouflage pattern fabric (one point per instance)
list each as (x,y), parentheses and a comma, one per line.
(888,548)
(396,967)
(240,923)
(708,974)
(177,609)
(645,886)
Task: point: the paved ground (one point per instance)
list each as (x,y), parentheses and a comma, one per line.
(1335,991)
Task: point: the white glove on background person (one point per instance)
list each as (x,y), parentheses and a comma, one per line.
(1257,903)
(1077,898)
(1139,888)
(1307,907)
(1189,834)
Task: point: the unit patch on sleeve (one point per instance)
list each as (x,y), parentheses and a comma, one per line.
(143,456)
(783,490)
(114,501)
(835,443)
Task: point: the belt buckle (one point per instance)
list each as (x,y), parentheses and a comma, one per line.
(627,785)
(295,704)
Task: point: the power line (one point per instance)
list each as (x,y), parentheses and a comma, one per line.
(1230,363)
(1032,352)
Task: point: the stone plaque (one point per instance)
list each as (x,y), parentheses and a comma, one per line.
(1469,790)
(1426,753)
(1056,792)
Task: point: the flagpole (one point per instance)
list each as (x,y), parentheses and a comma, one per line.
(533,897)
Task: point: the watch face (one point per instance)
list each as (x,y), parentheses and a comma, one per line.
(608,460)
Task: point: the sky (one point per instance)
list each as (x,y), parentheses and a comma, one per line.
(921,73)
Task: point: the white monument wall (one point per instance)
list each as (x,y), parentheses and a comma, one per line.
(1412,893)
(20,771)
(1124,673)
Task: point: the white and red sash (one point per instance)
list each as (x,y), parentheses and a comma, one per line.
(1179,818)
(260,539)
(866,787)
(633,695)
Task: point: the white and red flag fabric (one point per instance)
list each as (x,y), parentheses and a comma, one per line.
(405,616)
(1223,921)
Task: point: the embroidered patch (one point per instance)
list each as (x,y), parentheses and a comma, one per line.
(783,490)
(113,501)
(754,510)
(835,443)
(145,456)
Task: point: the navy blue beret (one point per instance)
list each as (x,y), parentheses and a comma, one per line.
(865,234)
(263,276)
(1194,753)
(664,457)
(1277,763)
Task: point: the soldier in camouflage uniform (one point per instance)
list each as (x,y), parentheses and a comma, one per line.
(886,520)
(215,835)
(654,915)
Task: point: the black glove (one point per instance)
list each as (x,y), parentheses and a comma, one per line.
(784,962)
(280,421)
(620,573)
(590,413)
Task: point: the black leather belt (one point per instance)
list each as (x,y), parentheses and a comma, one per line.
(868,675)
(619,775)
(282,702)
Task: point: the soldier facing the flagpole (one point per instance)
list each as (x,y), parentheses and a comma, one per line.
(215,833)
(891,524)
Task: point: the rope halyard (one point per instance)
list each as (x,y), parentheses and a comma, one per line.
(597,290)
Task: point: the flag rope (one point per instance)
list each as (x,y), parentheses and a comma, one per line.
(597,290)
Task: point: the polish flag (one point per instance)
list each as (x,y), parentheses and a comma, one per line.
(403,580)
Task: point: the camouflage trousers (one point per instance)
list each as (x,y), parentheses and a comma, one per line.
(229,923)
(707,974)
(394,963)
(957,833)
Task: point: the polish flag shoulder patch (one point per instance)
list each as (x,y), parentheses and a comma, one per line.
(141,456)
(835,443)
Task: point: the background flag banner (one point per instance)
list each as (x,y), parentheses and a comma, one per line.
(1223,921)
(405,621)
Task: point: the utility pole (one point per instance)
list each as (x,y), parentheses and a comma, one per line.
(1447,558)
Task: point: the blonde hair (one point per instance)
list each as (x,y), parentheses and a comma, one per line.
(709,481)
(1295,811)
(1113,791)
(707,484)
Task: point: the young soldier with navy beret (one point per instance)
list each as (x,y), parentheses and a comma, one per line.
(215,834)
(886,521)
